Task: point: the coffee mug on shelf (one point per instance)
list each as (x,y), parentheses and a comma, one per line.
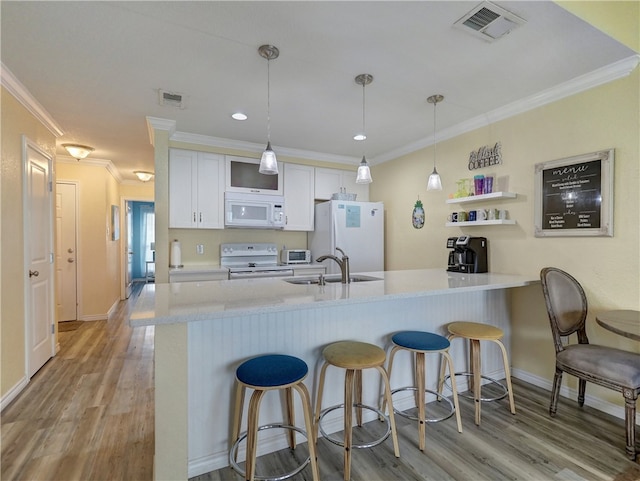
(493,214)
(462,216)
(481,214)
(502,214)
(453,217)
(472,216)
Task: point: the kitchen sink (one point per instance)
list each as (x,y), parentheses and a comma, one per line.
(334,278)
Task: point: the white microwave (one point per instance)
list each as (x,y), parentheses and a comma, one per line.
(253,211)
(242,176)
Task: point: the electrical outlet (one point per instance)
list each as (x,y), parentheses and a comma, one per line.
(200,249)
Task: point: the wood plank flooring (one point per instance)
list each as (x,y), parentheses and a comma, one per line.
(88,415)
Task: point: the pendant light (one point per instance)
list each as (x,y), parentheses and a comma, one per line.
(364,173)
(268,161)
(434,182)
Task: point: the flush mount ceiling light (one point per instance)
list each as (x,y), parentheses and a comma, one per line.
(364,173)
(143,175)
(434,182)
(78,151)
(268,161)
(238,116)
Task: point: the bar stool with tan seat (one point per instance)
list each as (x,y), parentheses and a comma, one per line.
(421,343)
(354,357)
(476,332)
(263,374)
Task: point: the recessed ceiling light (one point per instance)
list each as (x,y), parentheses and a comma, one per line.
(239,116)
(359,137)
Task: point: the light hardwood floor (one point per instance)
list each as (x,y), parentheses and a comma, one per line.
(88,415)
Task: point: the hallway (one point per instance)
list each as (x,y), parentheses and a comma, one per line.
(88,413)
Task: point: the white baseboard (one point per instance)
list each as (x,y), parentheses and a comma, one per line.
(101,317)
(592,401)
(13,392)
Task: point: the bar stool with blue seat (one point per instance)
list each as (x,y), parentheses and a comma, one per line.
(476,332)
(262,374)
(354,357)
(421,343)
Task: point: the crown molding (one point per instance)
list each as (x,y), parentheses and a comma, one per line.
(22,95)
(156,123)
(598,77)
(259,148)
(104,163)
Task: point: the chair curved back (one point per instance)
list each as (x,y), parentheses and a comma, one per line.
(566,305)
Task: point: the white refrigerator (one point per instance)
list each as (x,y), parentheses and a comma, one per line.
(355,227)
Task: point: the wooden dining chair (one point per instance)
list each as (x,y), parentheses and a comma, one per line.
(606,366)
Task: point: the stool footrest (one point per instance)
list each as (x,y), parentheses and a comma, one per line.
(491,380)
(233,453)
(439,397)
(340,442)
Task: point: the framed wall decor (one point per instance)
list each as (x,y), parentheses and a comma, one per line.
(574,196)
(115,222)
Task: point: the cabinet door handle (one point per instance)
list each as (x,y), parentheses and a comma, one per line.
(201,217)
(33,273)
(194,217)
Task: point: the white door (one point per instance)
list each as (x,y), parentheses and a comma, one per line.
(39,319)
(128,281)
(66,252)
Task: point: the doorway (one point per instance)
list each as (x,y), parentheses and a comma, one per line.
(139,249)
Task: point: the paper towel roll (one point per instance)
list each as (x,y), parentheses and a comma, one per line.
(176,254)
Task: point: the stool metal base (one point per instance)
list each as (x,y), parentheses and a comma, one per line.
(491,380)
(340,442)
(439,397)
(233,453)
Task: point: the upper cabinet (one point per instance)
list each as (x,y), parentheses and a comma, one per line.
(196,189)
(298,196)
(330,181)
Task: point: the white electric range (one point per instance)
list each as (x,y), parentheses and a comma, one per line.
(251,260)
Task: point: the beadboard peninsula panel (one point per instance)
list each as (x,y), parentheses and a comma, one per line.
(217,347)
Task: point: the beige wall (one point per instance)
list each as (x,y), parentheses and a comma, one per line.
(608,267)
(16,121)
(98,255)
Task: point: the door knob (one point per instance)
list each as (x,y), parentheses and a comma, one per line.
(70,250)
(33,273)
(70,259)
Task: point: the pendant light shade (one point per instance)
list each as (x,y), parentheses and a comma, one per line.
(364,173)
(434,182)
(268,161)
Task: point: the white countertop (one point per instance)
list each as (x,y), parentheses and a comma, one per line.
(197,301)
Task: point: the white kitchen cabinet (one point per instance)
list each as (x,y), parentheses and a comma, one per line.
(298,196)
(330,181)
(196,190)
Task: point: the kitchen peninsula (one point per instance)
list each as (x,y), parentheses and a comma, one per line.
(205,329)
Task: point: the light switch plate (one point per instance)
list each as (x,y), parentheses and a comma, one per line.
(200,249)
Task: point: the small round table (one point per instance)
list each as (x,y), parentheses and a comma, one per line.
(623,322)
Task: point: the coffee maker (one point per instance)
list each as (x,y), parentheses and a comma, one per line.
(468,254)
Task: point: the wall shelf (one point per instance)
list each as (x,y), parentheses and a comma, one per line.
(483,197)
(481,222)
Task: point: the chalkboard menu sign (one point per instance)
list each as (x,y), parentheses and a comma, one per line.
(573,196)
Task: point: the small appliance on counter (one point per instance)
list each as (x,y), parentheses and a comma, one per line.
(295,256)
(468,254)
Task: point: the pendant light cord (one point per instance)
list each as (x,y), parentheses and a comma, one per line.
(363,117)
(268,101)
(435,104)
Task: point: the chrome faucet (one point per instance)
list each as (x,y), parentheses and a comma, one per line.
(343,263)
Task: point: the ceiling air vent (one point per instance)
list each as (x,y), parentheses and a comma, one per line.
(171,99)
(489,22)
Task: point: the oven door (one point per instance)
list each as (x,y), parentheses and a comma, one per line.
(257,274)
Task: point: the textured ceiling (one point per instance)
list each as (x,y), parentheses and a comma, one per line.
(96,67)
